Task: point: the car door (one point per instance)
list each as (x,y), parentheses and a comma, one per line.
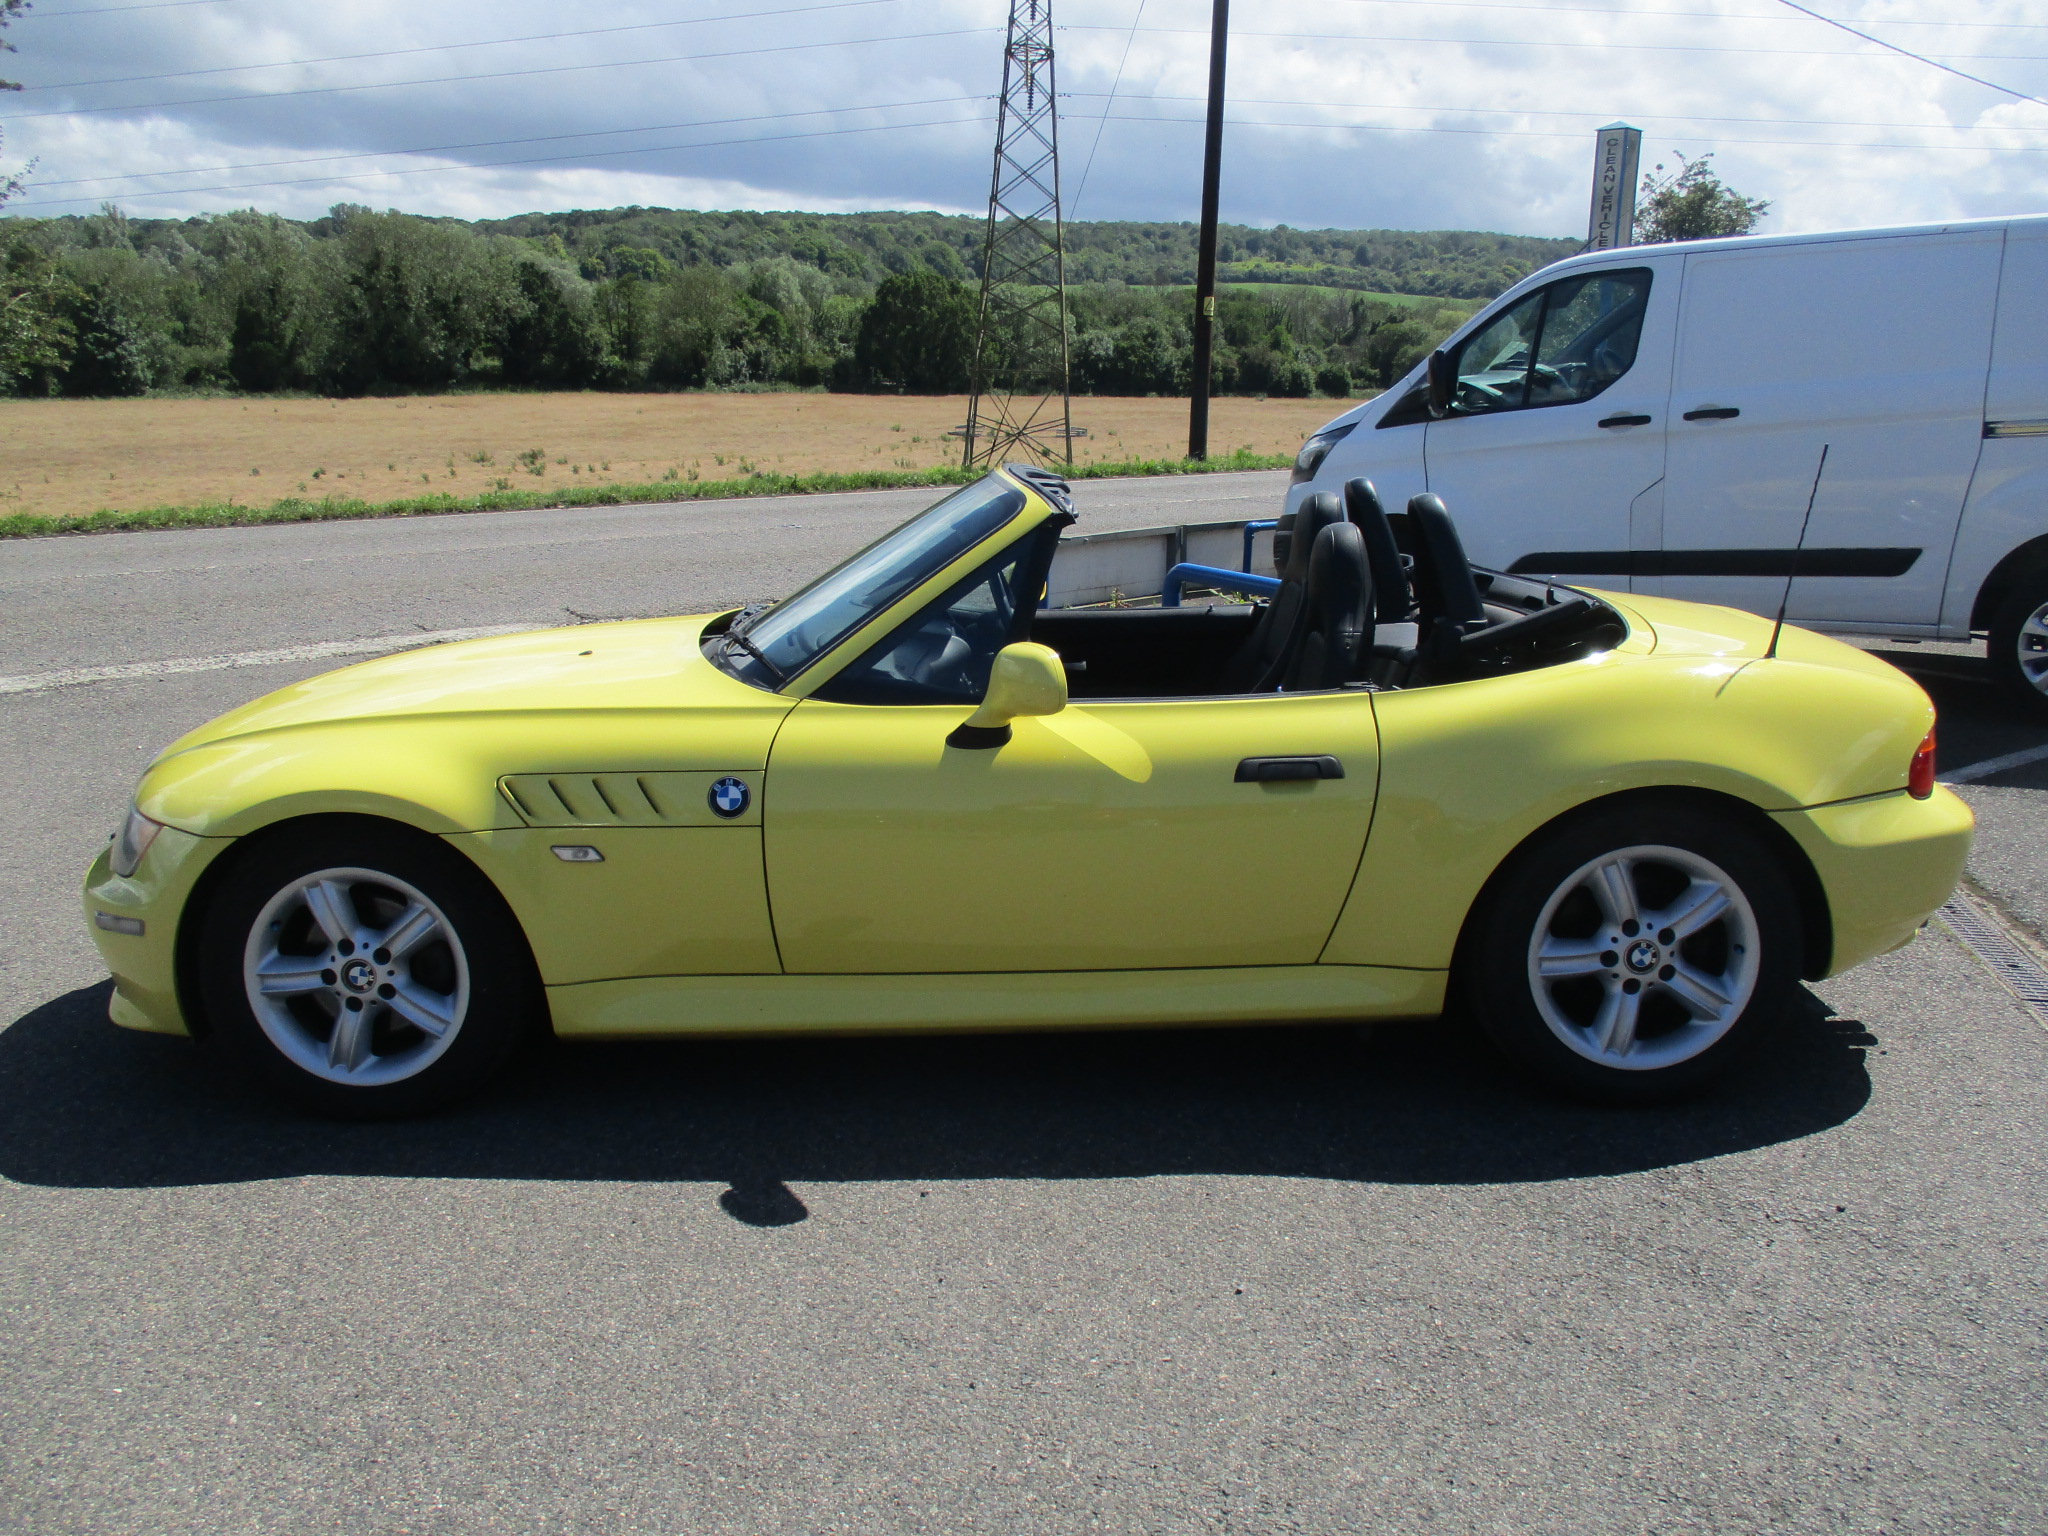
(1115,834)
(1554,446)
(1874,349)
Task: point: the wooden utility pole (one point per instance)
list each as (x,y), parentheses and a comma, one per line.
(1205,257)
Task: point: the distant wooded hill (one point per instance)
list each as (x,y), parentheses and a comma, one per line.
(651,298)
(1442,264)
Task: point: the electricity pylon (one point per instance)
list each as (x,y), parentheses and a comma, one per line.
(1019,406)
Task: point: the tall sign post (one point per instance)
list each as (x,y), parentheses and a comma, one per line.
(1617,157)
(1205,253)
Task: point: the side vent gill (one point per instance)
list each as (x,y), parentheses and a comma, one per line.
(664,799)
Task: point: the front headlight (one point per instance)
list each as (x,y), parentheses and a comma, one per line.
(132,842)
(1316,449)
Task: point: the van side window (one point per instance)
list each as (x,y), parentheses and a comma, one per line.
(1562,344)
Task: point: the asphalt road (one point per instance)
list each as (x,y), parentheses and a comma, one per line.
(1240,1281)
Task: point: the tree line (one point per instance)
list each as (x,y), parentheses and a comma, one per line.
(361,301)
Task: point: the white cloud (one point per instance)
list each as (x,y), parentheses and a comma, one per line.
(1424,116)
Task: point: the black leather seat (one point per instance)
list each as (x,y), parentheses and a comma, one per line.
(1337,612)
(1445,592)
(1263,660)
(1393,602)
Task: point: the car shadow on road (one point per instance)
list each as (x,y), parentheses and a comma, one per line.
(86,1105)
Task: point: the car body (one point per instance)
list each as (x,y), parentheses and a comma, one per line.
(687,845)
(1653,418)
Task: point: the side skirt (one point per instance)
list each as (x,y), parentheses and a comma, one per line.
(658,1006)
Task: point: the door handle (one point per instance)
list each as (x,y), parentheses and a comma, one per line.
(1626,421)
(1714,413)
(1281,770)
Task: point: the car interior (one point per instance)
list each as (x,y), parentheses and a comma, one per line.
(1366,600)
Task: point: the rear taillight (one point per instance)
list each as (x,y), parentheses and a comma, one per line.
(1920,777)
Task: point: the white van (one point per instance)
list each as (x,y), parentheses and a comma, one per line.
(1652,419)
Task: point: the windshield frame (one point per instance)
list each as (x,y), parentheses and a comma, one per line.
(932,553)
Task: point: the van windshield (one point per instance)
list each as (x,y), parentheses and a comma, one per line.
(769,646)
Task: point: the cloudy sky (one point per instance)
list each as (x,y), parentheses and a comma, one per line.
(1415,114)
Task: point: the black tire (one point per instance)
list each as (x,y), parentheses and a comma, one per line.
(2018,650)
(460,964)
(1563,1030)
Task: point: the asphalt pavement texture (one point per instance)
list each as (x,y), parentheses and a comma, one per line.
(1250,1280)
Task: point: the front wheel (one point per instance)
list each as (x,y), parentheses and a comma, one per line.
(365,972)
(2019,645)
(1633,955)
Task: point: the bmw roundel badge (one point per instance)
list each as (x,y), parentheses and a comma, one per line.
(729,798)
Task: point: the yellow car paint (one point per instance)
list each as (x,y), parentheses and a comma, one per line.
(1885,862)
(1102,868)
(1108,836)
(802,1005)
(144,965)
(1470,770)
(664,901)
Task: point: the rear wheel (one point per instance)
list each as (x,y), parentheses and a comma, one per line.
(1635,954)
(2019,644)
(366,972)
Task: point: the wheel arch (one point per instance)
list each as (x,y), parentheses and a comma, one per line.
(185,950)
(1816,919)
(2028,559)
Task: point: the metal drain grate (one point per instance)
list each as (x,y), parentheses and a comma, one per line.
(1985,936)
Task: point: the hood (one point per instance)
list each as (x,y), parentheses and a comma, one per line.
(637,665)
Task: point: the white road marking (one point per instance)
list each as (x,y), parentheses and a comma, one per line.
(1992,765)
(73,677)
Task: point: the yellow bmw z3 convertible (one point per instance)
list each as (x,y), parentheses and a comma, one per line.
(1615,830)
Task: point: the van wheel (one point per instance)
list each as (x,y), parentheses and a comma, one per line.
(2019,644)
(365,971)
(1633,955)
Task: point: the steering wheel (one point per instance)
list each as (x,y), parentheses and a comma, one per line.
(1487,397)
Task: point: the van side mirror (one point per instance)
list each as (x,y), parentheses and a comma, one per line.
(1443,383)
(1027,679)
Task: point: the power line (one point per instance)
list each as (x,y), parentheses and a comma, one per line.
(486,165)
(1110,99)
(1392,106)
(1089,165)
(1922,58)
(1525,42)
(1553,133)
(1612,10)
(502,74)
(110,10)
(487,42)
(541,138)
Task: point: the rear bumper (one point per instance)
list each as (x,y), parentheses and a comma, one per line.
(144,965)
(1885,864)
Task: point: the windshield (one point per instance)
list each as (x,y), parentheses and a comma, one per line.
(770,647)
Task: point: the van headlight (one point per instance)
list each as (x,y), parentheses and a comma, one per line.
(1317,449)
(132,842)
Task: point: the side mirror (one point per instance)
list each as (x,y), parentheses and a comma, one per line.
(1443,383)
(1026,679)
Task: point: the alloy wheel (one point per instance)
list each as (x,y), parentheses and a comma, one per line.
(2031,649)
(1644,957)
(356,976)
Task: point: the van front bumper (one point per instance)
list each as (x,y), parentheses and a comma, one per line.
(144,963)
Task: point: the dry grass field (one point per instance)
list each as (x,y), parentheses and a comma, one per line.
(61,457)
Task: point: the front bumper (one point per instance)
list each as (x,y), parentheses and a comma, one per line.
(144,965)
(1885,863)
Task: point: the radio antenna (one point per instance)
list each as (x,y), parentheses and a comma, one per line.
(1792,571)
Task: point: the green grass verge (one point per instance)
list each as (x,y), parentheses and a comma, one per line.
(22,525)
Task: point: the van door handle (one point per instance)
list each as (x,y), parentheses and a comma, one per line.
(1626,421)
(1714,413)
(1280,770)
